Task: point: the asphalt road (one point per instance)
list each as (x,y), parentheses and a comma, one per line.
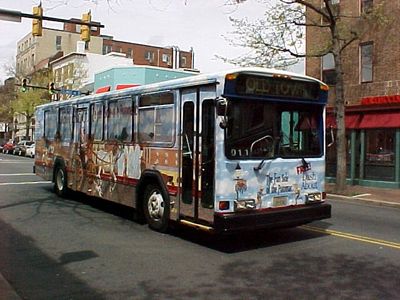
(82,248)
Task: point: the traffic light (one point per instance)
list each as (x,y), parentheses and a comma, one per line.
(37,23)
(52,90)
(24,85)
(85,29)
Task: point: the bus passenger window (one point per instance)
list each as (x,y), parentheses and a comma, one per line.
(120,120)
(96,121)
(156,118)
(50,124)
(65,130)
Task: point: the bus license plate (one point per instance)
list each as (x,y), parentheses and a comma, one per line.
(279,201)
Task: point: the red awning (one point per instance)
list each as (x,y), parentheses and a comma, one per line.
(103,89)
(380,120)
(352,121)
(125,86)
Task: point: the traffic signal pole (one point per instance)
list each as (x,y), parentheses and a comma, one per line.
(15,16)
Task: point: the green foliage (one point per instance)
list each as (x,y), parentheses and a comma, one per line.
(26,102)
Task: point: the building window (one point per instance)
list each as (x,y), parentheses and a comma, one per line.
(183,62)
(366,52)
(366,6)
(328,69)
(71,71)
(149,55)
(334,5)
(58,42)
(380,154)
(106,49)
(129,53)
(166,58)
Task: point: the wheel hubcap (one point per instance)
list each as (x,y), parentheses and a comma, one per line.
(156,206)
(60,180)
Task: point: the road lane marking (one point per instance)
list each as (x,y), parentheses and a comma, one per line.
(21,183)
(353,236)
(16,161)
(18,174)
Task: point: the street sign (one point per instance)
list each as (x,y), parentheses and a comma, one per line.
(70,92)
(2,127)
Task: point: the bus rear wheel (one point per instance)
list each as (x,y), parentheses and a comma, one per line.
(156,208)
(60,182)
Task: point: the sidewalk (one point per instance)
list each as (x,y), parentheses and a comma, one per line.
(378,196)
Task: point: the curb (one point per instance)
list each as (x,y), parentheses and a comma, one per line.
(365,200)
(6,290)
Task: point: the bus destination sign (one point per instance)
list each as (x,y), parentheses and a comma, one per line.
(277,87)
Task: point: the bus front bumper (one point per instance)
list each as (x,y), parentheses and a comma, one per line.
(271,218)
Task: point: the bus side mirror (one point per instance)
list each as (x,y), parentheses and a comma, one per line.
(222,108)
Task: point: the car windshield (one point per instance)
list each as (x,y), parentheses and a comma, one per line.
(260,129)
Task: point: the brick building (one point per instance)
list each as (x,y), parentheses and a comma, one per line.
(372,93)
(166,57)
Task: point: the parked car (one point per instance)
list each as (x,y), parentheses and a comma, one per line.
(20,148)
(9,147)
(30,150)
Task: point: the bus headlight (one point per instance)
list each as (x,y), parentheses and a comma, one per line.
(313,197)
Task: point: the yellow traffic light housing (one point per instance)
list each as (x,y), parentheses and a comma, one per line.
(37,23)
(85,29)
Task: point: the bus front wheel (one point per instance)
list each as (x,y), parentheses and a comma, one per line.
(60,182)
(156,208)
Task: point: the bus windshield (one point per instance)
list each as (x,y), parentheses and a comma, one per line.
(264,130)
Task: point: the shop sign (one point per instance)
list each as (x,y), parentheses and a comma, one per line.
(380,100)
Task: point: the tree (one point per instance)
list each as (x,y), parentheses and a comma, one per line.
(278,41)
(25,104)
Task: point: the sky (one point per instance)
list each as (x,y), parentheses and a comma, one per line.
(197,24)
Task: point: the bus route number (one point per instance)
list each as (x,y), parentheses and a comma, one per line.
(239,152)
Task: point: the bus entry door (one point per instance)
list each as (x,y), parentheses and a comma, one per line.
(197,154)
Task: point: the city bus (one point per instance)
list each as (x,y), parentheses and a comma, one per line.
(224,152)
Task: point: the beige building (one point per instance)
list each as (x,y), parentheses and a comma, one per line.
(76,71)
(31,50)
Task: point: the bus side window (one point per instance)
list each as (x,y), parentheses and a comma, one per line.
(65,124)
(119,125)
(50,124)
(156,118)
(97,121)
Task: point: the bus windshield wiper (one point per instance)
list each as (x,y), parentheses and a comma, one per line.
(260,166)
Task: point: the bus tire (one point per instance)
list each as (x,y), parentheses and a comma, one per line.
(60,181)
(156,208)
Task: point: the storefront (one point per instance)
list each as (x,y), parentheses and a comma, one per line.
(373,143)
